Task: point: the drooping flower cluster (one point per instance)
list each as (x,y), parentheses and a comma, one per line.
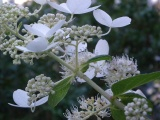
(39,87)
(89,107)
(120,68)
(137,110)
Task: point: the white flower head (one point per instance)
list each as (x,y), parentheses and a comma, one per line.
(104,19)
(20,97)
(41,2)
(74,6)
(42,30)
(39,44)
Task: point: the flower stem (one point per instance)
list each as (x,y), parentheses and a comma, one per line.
(89,81)
(15,33)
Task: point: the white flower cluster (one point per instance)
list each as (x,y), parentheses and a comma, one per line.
(119,69)
(51,19)
(39,87)
(89,107)
(137,110)
(154,92)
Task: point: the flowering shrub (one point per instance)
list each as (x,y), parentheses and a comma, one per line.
(54,36)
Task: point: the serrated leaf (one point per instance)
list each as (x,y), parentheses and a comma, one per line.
(61,88)
(85,66)
(133,82)
(117,114)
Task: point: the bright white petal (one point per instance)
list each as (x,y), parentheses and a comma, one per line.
(21,48)
(33,31)
(52,45)
(64,5)
(20,97)
(78,5)
(71,49)
(102,17)
(41,28)
(58,7)
(37,45)
(90,73)
(18,105)
(41,101)
(86,10)
(139,92)
(41,2)
(55,28)
(102,47)
(121,22)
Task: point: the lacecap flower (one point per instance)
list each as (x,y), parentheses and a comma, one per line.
(20,97)
(104,19)
(39,44)
(74,6)
(42,30)
(102,48)
(41,2)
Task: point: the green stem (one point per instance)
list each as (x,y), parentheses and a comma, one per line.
(14,32)
(89,81)
(106,32)
(105,107)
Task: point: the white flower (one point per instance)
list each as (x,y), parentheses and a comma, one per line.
(104,19)
(41,2)
(20,97)
(42,30)
(39,44)
(74,6)
(102,48)
(70,49)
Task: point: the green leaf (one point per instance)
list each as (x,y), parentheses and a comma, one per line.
(85,66)
(133,82)
(61,88)
(117,114)
(99,58)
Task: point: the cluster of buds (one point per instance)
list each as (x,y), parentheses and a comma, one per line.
(51,19)
(119,69)
(89,107)
(137,110)
(39,87)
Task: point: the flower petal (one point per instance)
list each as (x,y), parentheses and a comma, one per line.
(58,7)
(78,5)
(102,17)
(20,97)
(55,27)
(37,45)
(121,22)
(102,47)
(86,10)
(90,73)
(41,2)
(41,28)
(33,31)
(52,45)
(64,5)
(71,49)
(41,101)
(21,48)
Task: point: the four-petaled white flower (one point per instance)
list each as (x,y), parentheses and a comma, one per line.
(102,48)
(20,97)
(42,30)
(41,2)
(104,19)
(74,6)
(39,44)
